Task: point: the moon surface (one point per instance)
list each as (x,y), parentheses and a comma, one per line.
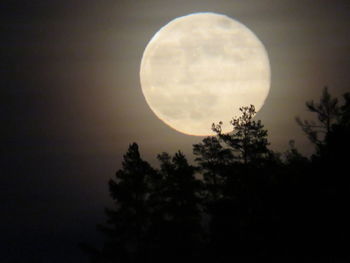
(200,68)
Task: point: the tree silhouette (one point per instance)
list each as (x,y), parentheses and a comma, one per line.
(129,221)
(250,201)
(328,133)
(248,139)
(327,112)
(293,157)
(326,185)
(213,160)
(337,142)
(176,228)
(237,219)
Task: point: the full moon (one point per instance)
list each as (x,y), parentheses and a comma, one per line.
(200,69)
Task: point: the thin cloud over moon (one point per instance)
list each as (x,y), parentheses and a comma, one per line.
(200,68)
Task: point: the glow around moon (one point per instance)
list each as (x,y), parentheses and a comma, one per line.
(200,68)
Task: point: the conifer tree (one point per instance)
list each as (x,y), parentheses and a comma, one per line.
(327,111)
(176,225)
(213,160)
(128,222)
(248,140)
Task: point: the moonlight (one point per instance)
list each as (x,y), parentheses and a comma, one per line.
(200,68)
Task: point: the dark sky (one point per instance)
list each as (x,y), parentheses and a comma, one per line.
(71,102)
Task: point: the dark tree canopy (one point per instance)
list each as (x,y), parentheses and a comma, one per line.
(128,222)
(327,111)
(248,139)
(250,203)
(213,161)
(178,222)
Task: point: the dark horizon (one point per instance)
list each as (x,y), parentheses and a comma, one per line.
(240,200)
(72,103)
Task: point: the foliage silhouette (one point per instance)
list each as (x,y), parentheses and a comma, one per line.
(176,228)
(252,204)
(248,138)
(213,161)
(128,222)
(327,111)
(328,177)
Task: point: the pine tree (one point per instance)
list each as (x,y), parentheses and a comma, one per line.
(248,139)
(128,222)
(327,179)
(176,229)
(213,160)
(327,111)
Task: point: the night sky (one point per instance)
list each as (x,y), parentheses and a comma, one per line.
(71,102)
